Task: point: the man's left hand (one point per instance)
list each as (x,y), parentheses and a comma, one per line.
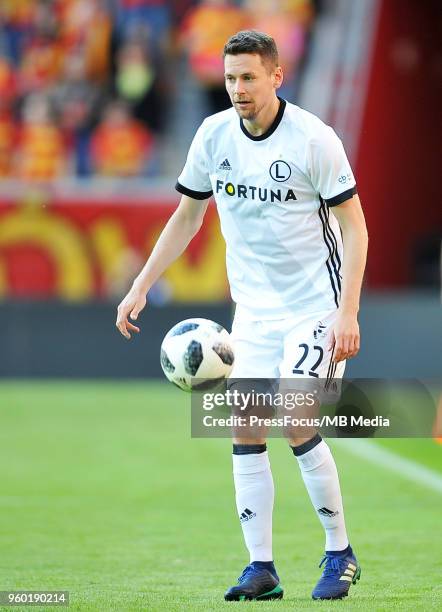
(345,336)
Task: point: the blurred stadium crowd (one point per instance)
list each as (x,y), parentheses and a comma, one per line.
(87,86)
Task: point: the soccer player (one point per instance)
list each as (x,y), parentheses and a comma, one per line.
(288,206)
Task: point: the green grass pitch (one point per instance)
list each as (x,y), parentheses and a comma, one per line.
(104,493)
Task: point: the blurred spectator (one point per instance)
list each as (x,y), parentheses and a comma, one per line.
(135,73)
(8,82)
(150,19)
(42,52)
(76,102)
(7,140)
(42,151)
(136,82)
(120,145)
(86,25)
(79,54)
(204,33)
(302,10)
(179,9)
(287,22)
(17,18)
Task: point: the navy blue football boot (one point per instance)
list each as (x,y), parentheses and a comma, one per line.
(340,571)
(259,581)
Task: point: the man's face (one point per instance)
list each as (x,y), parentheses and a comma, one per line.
(250,83)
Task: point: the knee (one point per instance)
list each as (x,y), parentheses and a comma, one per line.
(249,442)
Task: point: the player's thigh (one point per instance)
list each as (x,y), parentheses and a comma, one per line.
(258,348)
(308,369)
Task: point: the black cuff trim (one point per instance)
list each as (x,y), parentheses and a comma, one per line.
(342,197)
(307,446)
(196,195)
(249,449)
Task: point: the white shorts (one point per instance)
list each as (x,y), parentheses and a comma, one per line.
(291,348)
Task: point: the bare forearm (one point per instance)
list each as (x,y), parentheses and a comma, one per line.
(179,231)
(355,256)
(172,242)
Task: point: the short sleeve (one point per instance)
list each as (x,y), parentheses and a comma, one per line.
(194,180)
(330,170)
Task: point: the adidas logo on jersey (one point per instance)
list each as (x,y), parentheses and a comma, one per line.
(225,165)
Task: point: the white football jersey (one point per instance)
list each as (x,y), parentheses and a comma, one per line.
(273,193)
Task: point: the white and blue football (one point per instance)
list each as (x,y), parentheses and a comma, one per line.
(197,354)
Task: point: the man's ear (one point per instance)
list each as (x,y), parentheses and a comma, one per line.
(278,77)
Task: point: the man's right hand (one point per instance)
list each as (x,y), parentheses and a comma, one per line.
(131,306)
(179,231)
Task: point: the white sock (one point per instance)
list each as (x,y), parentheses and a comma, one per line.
(320,476)
(254,501)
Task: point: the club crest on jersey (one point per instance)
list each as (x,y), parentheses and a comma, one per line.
(319,330)
(262,194)
(280,171)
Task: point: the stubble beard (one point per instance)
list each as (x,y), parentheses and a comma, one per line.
(249,114)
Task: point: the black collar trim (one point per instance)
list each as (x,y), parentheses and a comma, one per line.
(272,128)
